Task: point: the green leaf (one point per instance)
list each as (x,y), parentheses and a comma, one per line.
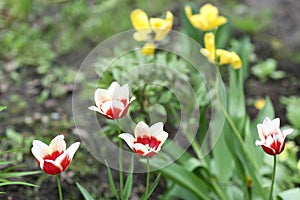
(18,174)
(18,183)
(84,192)
(184,178)
(14,135)
(222,155)
(128,184)
(152,187)
(2,108)
(111,181)
(290,194)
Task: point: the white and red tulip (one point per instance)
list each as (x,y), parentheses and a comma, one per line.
(272,140)
(114,102)
(53,158)
(147,140)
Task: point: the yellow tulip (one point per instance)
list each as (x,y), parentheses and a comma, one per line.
(227,57)
(209,44)
(162,27)
(150,30)
(148,49)
(259,104)
(207,19)
(140,21)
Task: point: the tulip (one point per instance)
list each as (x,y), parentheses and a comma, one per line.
(53,159)
(207,19)
(150,30)
(147,140)
(114,102)
(272,140)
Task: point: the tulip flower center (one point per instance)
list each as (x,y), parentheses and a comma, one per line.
(53,155)
(149,142)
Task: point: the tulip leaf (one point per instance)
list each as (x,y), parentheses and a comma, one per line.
(289,194)
(18,174)
(222,155)
(152,187)
(2,108)
(111,181)
(128,184)
(184,178)
(84,192)
(18,183)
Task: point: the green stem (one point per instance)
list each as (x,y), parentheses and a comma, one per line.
(273,178)
(121,166)
(148,178)
(59,187)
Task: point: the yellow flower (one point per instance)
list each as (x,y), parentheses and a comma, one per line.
(148,49)
(227,57)
(259,104)
(162,27)
(150,30)
(209,44)
(145,26)
(207,19)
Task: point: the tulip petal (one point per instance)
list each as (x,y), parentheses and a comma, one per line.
(128,138)
(148,49)
(94,108)
(57,144)
(72,150)
(140,36)
(287,132)
(162,137)
(50,167)
(101,95)
(140,149)
(142,130)
(39,149)
(188,11)
(140,20)
(156,128)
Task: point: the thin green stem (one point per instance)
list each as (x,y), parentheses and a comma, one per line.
(148,178)
(273,178)
(59,187)
(121,166)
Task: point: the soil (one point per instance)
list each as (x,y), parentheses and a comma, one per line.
(285,20)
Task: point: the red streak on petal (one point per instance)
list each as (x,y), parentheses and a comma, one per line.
(124,101)
(140,152)
(151,141)
(49,168)
(65,162)
(269,150)
(53,156)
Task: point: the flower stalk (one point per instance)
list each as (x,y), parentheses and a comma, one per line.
(273,178)
(148,178)
(121,166)
(59,187)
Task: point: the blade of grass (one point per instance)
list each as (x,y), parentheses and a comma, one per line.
(111,182)
(128,184)
(152,187)
(84,192)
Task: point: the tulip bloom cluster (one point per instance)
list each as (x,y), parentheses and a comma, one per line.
(152,30)
(207,20)
(113,103)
